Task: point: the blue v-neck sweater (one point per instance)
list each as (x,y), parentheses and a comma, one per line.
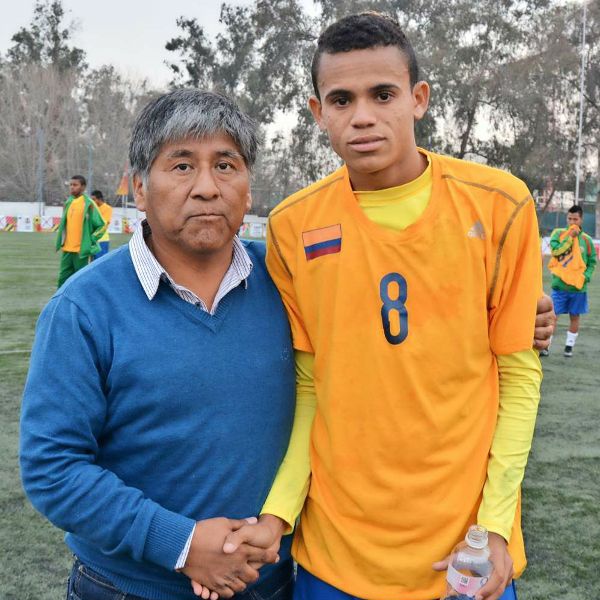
(142,416)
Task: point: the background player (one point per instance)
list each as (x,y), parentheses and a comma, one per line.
(80,229)
(572,265)
(106,211)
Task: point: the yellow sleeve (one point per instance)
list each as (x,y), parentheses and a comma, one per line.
(291,483)
(520,379)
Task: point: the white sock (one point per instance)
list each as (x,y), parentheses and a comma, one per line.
(571,338)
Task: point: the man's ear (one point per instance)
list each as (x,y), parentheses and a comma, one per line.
(139,192)
(316,109)
(420,94)
(249,202)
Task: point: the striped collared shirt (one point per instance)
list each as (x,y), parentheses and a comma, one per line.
(150,272)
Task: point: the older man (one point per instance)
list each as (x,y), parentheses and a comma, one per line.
(163,401)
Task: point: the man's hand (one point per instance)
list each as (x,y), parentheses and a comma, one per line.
(574,231)
(545,321)
(500,576)
(219,573)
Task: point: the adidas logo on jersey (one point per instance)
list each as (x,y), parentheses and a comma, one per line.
(476,231)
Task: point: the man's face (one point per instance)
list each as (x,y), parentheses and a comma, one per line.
(76,187)
(97,200)
(368,109)
(196,196)
(574,219)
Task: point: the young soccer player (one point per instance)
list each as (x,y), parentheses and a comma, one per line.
(411,282)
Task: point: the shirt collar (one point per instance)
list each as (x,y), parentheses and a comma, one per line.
(150,272)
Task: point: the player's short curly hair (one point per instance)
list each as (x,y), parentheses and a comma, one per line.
(359,32)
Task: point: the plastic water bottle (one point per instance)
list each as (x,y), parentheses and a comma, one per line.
(470,565)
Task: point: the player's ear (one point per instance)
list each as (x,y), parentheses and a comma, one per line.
(420,95)
(316,109)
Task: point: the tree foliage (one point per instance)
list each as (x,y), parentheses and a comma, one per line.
(501,76)
(46,41)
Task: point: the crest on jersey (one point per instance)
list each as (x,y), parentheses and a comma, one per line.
(322,241)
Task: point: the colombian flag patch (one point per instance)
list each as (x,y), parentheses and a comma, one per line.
(326,240)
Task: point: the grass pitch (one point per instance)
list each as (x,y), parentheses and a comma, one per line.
(560,494)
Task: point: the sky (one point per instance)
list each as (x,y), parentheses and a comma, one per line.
(130,34)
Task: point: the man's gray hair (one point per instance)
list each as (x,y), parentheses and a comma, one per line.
(186,114)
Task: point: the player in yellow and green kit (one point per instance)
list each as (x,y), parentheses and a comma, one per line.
(572,264)
(80,229)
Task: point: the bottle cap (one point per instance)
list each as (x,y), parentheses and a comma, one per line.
(477,537)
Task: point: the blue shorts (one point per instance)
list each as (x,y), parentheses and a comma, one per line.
(572,303)
(309,587)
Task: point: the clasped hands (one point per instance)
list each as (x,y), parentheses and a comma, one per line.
(226,554)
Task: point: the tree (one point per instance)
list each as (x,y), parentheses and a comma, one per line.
(46,40)
(110,103)
(592,91)
(52,105)
(39,89)
(37,105)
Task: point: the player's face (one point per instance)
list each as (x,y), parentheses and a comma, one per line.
(196,196)
(368,109)
(76,187)
(574,219)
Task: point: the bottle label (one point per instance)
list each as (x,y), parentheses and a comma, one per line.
(464,584)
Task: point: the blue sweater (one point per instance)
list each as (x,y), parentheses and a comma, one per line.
(140,417)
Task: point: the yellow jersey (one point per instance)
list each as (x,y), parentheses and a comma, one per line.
(74,225)
(405,326)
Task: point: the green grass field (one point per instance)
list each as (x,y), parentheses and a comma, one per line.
(561,493)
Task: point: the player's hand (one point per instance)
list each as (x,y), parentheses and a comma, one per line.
(217,573)
(500,576)
(545,321)
(503,569)
(265,534)
(574,231)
